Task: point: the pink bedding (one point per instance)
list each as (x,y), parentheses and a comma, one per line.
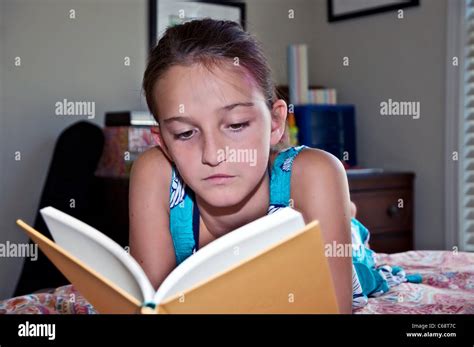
(447,287)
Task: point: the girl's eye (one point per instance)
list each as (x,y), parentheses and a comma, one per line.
(184,136)
(239,126)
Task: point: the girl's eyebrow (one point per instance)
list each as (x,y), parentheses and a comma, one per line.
(224,108)
(231,106)
(178,119)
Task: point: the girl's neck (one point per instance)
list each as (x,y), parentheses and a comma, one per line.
(220,221)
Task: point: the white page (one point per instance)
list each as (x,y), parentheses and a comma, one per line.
(99,252)
(231,249)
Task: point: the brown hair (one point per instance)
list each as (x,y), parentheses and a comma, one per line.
(208,42)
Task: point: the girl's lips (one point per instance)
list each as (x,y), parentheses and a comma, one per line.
(219,178)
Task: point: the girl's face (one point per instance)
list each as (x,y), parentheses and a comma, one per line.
(217,123)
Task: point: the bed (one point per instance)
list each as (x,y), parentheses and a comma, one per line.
(447,287)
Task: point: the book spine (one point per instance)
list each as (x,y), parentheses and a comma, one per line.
(116,119)
(320,96)
(297,56)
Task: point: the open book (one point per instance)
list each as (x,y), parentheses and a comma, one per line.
(275,264)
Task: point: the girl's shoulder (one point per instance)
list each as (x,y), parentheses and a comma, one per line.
(297,174)
(302,159)
(152,169)
(154,158)
(314,162)
(312,172)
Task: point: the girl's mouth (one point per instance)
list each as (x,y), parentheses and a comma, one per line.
(219,178)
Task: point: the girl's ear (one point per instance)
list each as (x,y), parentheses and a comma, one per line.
(156,134)
(279,113)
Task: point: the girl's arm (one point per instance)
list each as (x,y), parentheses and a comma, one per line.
(150,239)
(319,189)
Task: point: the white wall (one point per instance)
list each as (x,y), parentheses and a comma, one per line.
(78,59)
(389,58)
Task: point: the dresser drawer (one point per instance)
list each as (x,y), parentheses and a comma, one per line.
(378,210)
(391,241)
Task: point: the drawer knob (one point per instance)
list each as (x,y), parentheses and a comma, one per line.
(393,210)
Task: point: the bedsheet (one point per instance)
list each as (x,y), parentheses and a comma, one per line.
(447,287)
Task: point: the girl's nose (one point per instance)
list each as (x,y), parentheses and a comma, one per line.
(212,151)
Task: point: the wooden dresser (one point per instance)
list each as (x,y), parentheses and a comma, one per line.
(375,195)
(385,206)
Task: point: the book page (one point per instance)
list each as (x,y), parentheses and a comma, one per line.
(99,252)
(290,277)
(231,249)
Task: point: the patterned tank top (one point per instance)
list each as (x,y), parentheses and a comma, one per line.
(184,212)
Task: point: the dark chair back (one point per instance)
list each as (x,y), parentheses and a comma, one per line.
(70,187)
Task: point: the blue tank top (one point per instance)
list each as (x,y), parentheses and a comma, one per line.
(184,212)
(367,280)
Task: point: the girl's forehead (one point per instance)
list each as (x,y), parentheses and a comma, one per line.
(197,83)
(224,75)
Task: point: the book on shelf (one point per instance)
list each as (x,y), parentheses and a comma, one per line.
(130,118)
(322,96)
(297,63)
(275,264)
(122,145)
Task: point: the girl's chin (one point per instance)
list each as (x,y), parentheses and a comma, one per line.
(220,199)
(221,203)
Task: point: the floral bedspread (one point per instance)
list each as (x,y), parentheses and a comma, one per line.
(62,300)
(447,287)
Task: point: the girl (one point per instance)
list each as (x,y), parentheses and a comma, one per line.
(209,87)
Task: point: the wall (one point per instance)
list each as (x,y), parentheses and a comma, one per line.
(389,58)
(79,59)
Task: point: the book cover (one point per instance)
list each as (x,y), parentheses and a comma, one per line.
(275,264)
